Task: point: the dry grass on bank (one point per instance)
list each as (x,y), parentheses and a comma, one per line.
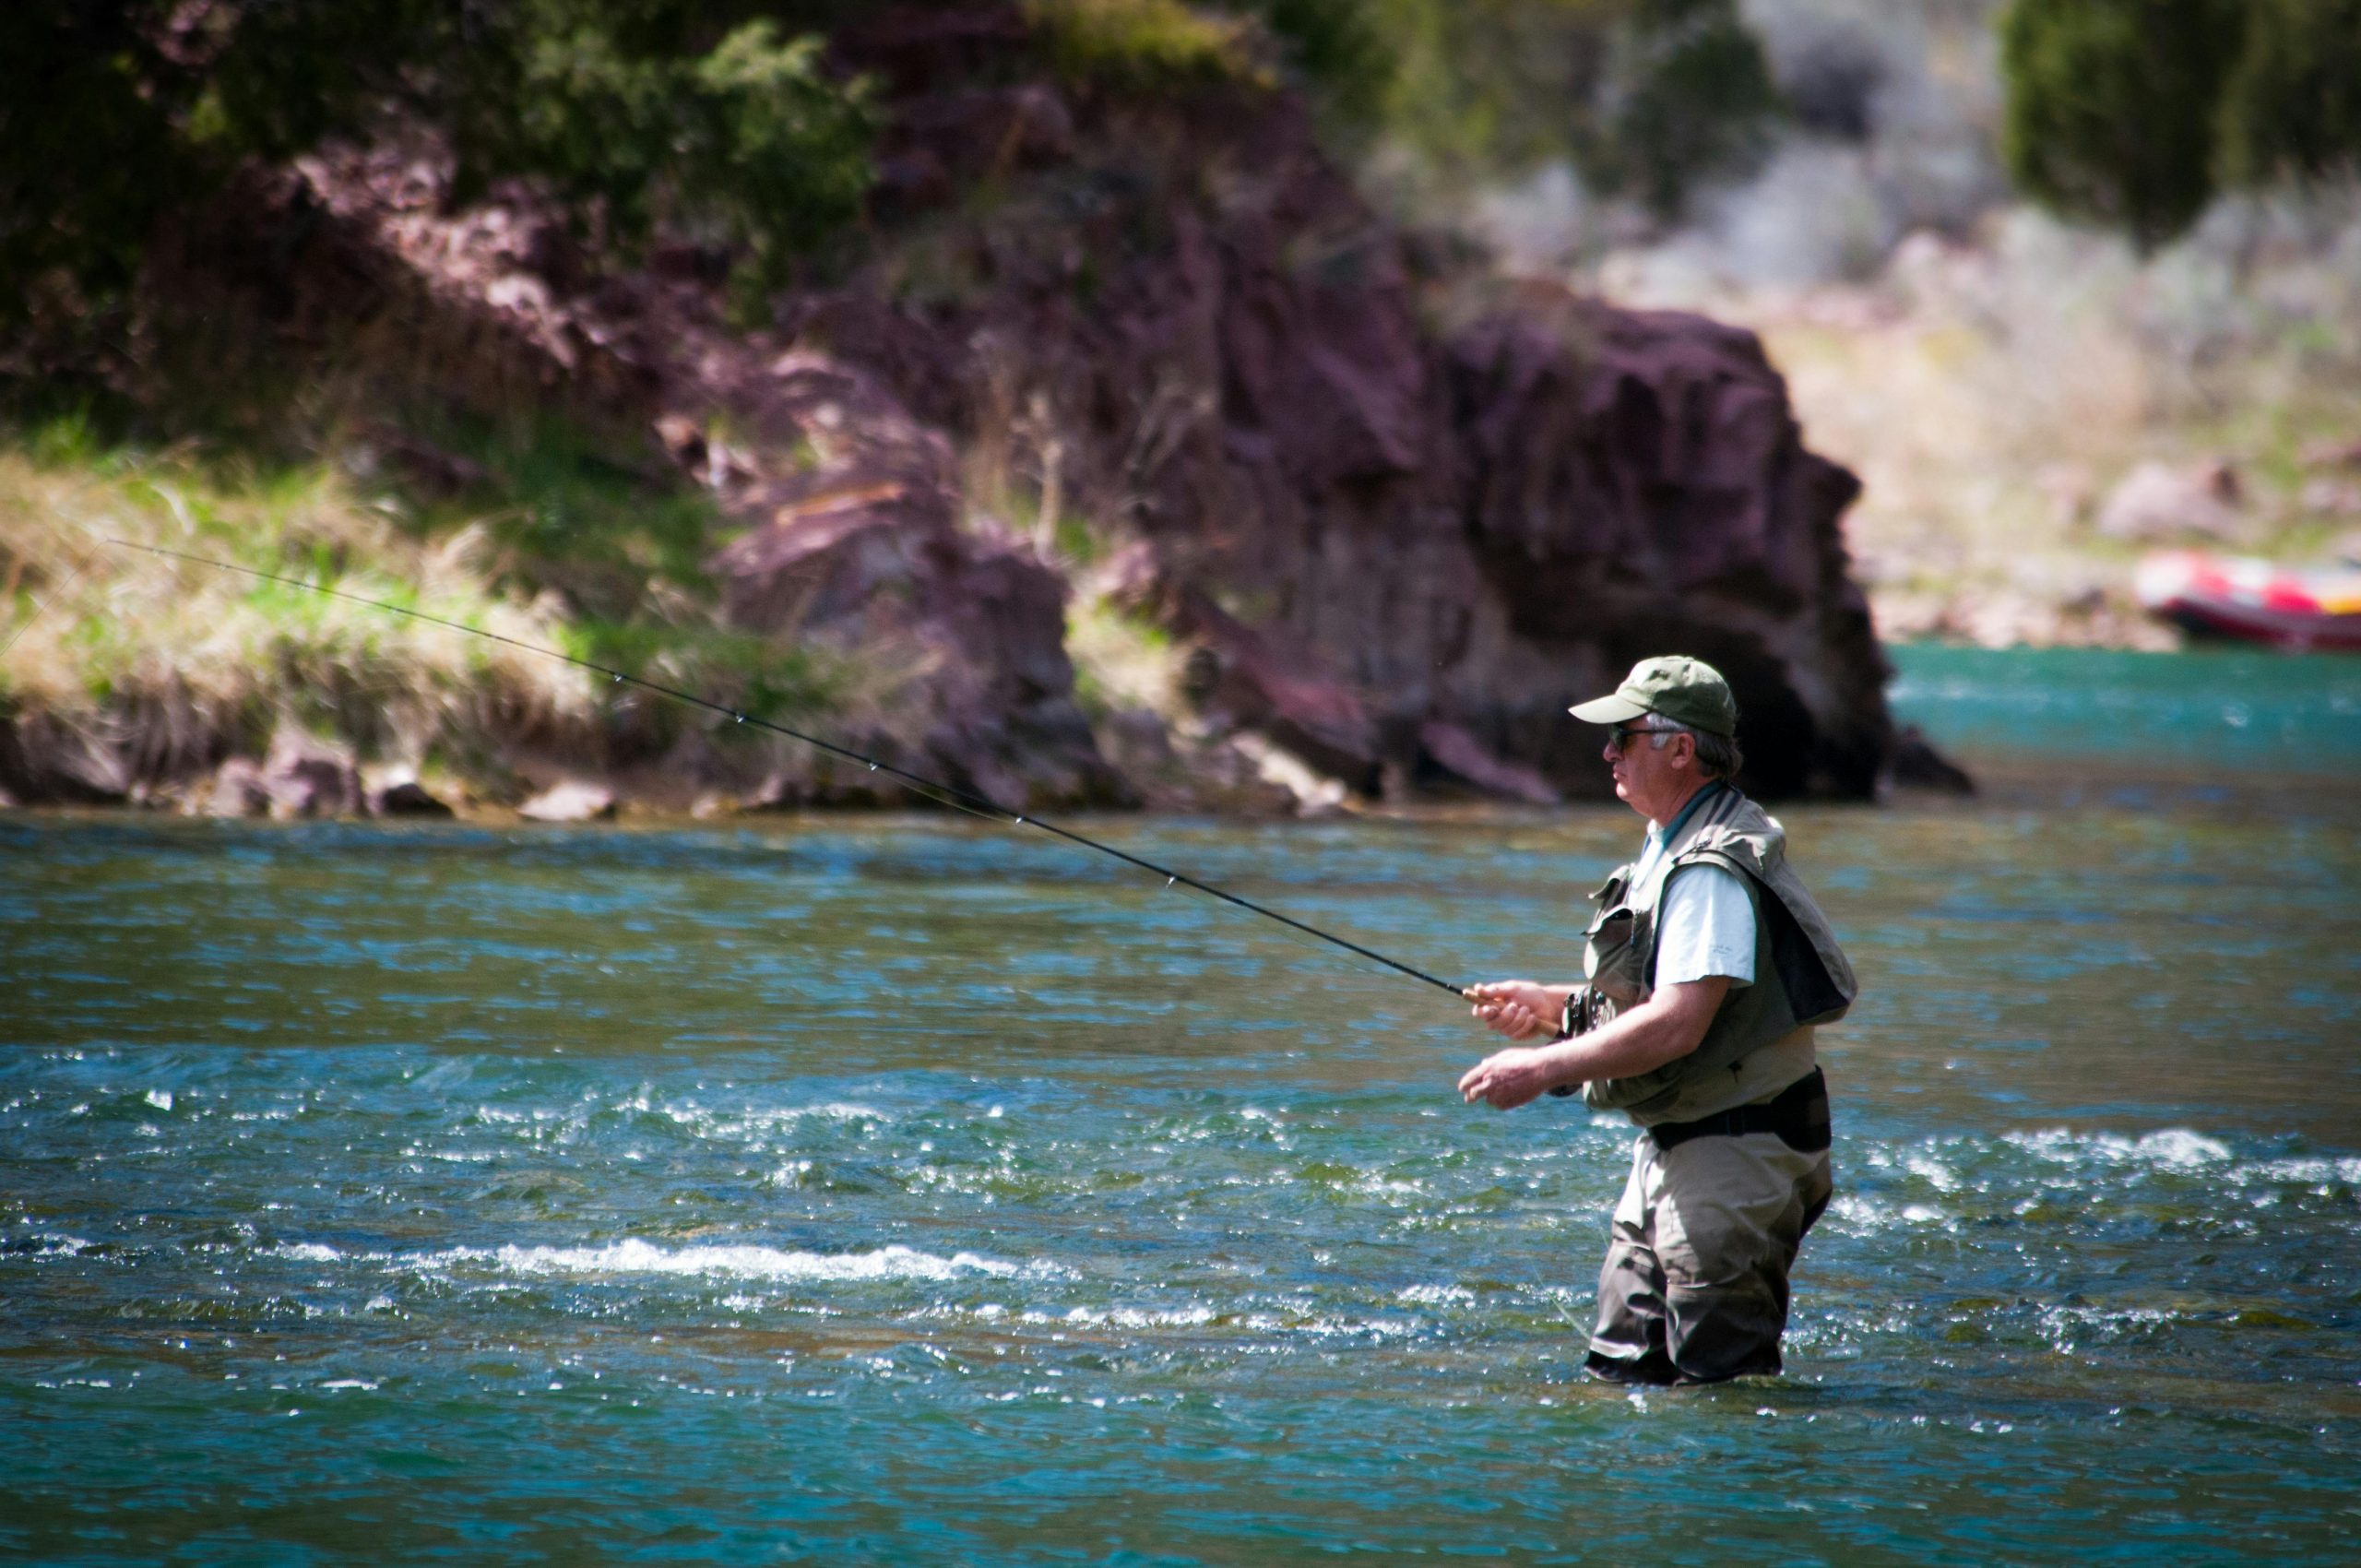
(170,665)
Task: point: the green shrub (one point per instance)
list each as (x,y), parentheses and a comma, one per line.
(2135,113)
(707,116)
(2293,107)
(1340,49)
(745,144)
(1693,96)
(1148,44)
(2112,106)
(1648,98)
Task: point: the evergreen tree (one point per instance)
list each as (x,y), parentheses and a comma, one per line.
(2293,107)
(2112,104)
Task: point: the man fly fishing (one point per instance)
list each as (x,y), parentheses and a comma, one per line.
(1706,966)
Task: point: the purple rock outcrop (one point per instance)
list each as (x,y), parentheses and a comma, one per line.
(1394,516)
(1398,549)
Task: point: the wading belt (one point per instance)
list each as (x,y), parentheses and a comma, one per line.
(1799,1113)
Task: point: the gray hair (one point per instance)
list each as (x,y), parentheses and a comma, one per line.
(1717,755)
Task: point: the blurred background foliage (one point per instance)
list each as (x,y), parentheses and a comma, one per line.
(723,121)
(2004,251)
(2136,113)
(711,117)
(1644,98)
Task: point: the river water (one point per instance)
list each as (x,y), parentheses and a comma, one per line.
(896,1190)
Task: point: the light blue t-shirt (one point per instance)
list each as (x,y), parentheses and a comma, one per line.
(1704,924)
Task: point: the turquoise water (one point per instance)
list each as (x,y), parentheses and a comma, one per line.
(894,1190)
(2214,711)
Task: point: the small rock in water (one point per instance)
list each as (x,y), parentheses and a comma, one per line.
(405,797)
(238,789)
(308,776)
(573,800)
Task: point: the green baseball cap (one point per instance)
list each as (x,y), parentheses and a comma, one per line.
(1686,691)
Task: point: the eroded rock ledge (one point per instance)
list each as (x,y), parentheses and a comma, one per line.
(1387,519)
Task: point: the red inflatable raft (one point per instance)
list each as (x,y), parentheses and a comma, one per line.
(2253,600)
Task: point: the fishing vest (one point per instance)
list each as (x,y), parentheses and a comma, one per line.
(1801,977)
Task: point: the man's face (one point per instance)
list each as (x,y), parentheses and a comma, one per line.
(1649,780)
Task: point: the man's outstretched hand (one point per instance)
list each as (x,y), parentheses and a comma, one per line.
(1506,1079)
(1521,1010)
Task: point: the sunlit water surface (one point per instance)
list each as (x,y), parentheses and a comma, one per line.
(893,1190)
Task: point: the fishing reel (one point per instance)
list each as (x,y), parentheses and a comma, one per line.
(1579,1016)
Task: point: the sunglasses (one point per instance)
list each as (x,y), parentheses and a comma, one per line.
(1620,736)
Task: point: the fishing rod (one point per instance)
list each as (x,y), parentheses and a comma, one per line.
(947,795)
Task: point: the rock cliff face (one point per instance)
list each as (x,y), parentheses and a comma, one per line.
(1394,519)
(1402,524)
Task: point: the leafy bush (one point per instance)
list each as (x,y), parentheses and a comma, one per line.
(1340,46)
(1692,95)
(1140,42)
(2135,113)
(1644,97)
(2293,107)
(707,116)
(2111,106)
(745,143)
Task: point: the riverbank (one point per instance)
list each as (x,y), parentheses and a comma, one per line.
(146,680)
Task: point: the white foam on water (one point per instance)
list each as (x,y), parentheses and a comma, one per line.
(160,1098)
(710,1122)
(1136,1317)
(1858,1213)
(2320,1172)
(2065,1328)
(1436,1295)
(1934,1171)
(49,1246)
(636,1257)
(2173,1149)
(304,1252)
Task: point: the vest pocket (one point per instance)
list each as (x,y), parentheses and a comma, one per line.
(1615,956)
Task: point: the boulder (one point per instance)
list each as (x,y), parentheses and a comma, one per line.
(570,800)
(305,775)
(238,789)
(1367,533)
(1459,755)
(870,555)
(1395,518)
(45,760)
(405,797)
(2159,503)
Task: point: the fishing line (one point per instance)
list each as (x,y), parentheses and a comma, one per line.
(933,790)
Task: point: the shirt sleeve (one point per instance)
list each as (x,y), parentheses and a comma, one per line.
(1706,926)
